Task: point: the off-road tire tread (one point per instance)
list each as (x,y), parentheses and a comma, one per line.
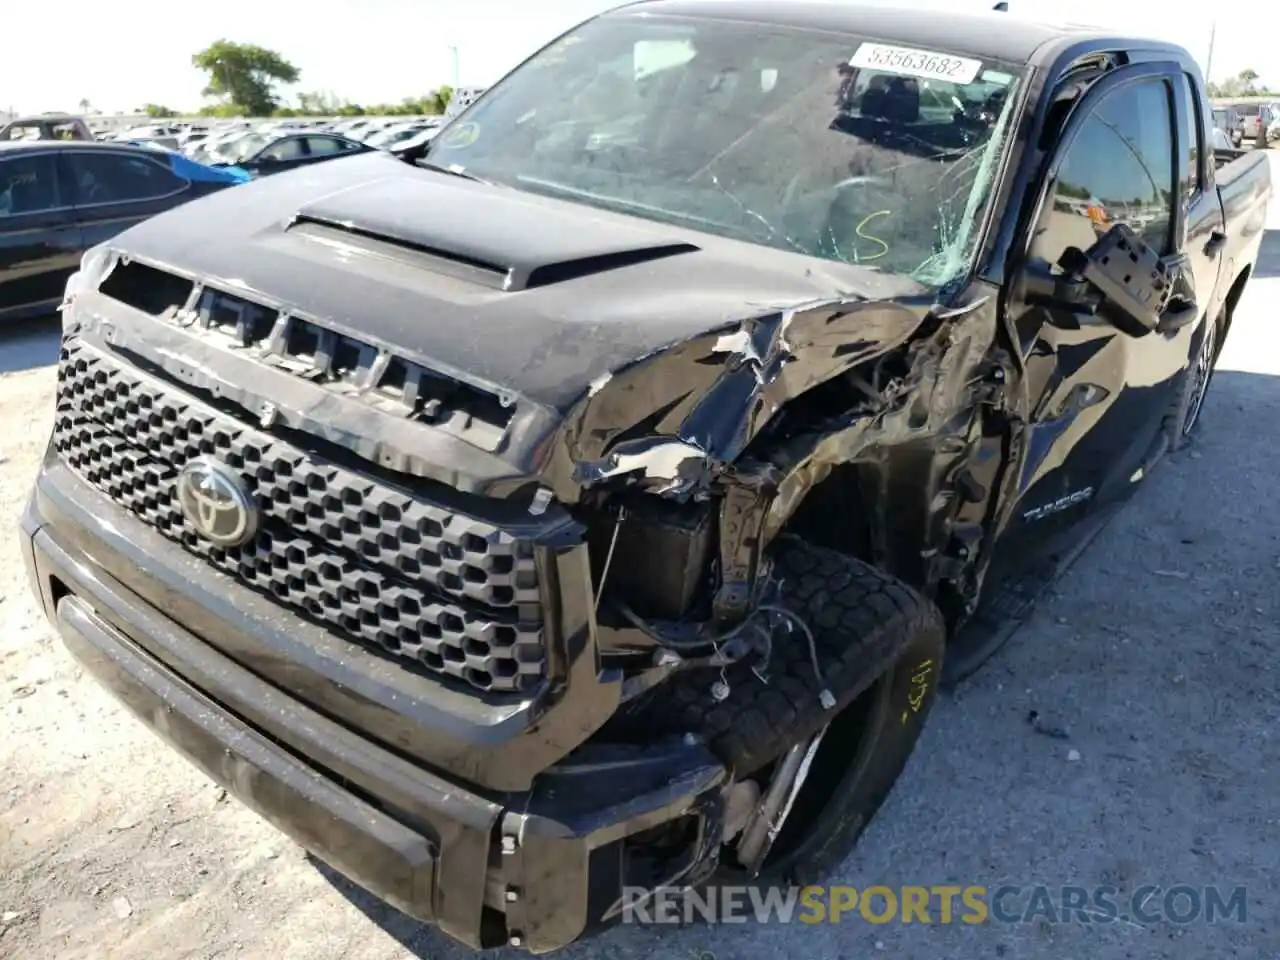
(862,619)
(1176,413)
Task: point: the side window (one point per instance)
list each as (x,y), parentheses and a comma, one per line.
(1191,145)
(119,178)
(1118,169)
(28,184)
(285,150)
(22,131)
(325,146)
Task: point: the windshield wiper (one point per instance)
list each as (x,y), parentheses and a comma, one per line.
(453,170)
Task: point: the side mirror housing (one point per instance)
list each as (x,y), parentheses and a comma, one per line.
(1120,278)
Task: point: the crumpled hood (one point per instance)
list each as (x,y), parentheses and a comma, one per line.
(522,293)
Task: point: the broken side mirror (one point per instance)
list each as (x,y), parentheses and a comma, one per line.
(1064,292)
(1121,278)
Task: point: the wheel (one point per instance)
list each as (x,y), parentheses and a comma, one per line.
(1195,387)
(880,647)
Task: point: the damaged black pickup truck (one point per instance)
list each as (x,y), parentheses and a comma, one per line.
(592,506)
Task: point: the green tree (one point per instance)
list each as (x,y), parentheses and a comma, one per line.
(158,112)
(245,75)
(318,104)
(439,99)
(221,110)
(84,104)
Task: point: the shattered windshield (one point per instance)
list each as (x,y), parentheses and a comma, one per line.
(824,144)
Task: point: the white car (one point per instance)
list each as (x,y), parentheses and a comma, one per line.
(144,133)
(396,133)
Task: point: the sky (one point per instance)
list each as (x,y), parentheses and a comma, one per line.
(120,56)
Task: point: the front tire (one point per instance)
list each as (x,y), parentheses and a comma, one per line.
(880,645)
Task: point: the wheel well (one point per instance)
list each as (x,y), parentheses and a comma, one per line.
(834,513)
(1233,297)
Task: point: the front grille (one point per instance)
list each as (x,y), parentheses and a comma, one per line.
(452,592)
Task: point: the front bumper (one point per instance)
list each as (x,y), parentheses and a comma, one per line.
(535,869)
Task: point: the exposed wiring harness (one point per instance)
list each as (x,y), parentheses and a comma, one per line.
(725,642)
(751,623)
(791,617)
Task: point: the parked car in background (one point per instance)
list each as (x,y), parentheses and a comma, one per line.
(219,147)
(1256,117)
(398,133)
(1229,121)
(190,138)
(156,143)
(462,98)
(147,132)
(1219,140)
(45,127)
(350,128)
(57,200)
(263,155)
(414,148)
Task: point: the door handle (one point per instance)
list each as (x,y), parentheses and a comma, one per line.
(1215,243)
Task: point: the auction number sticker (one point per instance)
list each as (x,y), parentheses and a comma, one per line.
(916,63)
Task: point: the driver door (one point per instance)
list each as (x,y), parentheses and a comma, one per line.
(1098,396)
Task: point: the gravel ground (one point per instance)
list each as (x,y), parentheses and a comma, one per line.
(1156,657)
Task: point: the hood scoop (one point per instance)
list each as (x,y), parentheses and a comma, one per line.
(493,236)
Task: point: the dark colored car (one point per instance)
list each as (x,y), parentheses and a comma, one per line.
(596,510)
(264,155)
(57,199)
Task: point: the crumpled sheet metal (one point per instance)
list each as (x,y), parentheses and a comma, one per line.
(672,422)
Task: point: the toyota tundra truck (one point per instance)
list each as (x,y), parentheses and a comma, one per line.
(596,504)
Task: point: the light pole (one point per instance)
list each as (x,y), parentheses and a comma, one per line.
(453,49)
(1208,64)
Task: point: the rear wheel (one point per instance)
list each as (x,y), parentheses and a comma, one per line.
(1185,418)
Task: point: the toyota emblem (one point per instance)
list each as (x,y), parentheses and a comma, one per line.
(214,500)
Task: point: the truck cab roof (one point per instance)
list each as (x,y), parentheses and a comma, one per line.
(983,34)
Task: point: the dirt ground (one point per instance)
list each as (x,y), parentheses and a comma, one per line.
(1156,658)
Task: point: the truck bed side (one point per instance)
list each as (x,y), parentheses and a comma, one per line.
(1244,187)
